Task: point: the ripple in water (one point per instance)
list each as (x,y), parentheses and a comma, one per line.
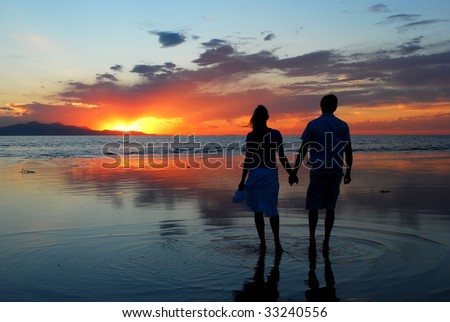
(184,261)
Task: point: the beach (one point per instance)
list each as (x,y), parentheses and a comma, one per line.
(74,230)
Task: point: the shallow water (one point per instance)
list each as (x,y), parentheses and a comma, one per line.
(72,231)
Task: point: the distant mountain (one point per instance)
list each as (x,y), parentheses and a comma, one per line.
(36,128)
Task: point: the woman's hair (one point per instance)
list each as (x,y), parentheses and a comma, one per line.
(259,118)
(259,123)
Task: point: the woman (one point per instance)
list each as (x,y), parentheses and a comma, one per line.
(262,146)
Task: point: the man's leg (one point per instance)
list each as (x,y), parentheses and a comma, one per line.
(259,223)
(313,217)
(329,222)
(330,204)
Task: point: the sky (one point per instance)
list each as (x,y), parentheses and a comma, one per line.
(202,66)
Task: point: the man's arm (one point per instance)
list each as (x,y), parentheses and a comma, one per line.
(301,155)
(349,162)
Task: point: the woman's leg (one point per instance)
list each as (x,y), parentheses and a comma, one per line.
(275,225)
(259,223)
(313,218)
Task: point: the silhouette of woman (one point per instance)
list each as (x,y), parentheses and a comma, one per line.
(262,185)
(259,289)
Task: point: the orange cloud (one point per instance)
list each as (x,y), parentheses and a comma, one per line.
(377,93)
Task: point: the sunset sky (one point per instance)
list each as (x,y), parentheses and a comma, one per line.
(202,66)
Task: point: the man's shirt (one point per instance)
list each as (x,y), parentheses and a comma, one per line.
(327,136)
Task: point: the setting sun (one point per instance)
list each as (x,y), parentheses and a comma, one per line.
(148,125)
(126,127)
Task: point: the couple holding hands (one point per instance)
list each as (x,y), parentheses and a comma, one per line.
(325,144)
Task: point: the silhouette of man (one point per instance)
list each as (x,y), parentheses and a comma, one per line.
(315,293)
(326,139)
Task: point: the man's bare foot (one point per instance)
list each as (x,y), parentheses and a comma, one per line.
(262,246)
(278,247)
(325,246)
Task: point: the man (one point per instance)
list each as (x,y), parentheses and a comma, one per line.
(327,140)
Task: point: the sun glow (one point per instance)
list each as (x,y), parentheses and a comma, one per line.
(124,126)
(148,125)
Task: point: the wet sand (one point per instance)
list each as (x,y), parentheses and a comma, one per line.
(73,231)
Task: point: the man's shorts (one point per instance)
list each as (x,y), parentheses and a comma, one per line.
(323,190)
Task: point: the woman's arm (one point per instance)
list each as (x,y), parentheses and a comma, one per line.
(247,163)
(244,176)
(284,160)
(301,155)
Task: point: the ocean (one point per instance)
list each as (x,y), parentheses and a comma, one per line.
(50,147)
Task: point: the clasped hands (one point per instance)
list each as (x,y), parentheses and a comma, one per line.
(293,178)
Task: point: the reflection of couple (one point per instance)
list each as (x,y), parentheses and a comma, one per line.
(326,139)
(260,289)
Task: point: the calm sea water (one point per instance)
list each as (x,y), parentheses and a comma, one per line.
(72,231)
(48,147)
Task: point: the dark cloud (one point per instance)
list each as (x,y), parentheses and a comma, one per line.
(146,69)
(418,24)
(106,77)
(411,47)
(215,43)
(153,72)
(243,65)
(269,37)
(412,21)
(81,92)
(151,69)
(117,68)
(315,63)
(415,78)
(6,108)
(429,77)
(169,38)
(170,65)
(378,8)
(400,18)
(215,55)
